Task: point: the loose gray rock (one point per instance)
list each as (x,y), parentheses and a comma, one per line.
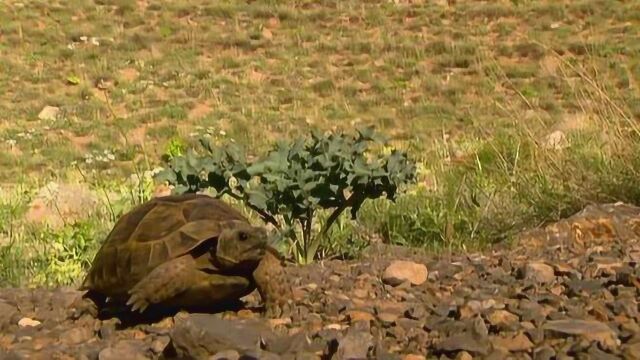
(557,140)
(202,335)
(76,336)
(467,342)
(588,329)
(539,272)
(226,355)
(49,113)
(400,271)
(355,345)
(125,349)
(7,313)
(544,353)
(57,204)
(632,351)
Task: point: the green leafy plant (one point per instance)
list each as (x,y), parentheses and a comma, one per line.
(175,147)
(67,253)
(297,181)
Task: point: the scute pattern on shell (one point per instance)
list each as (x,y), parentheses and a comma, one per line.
(152,233)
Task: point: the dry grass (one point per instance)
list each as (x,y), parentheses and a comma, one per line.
(472,90)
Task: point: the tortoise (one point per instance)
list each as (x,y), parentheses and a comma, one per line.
(188,250)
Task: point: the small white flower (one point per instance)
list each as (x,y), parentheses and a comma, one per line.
(111,157)
(11,142)
(222,132)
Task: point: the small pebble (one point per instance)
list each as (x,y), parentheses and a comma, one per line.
(24,322)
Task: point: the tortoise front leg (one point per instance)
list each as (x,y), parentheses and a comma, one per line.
(274,286)
(212,291)
(162,283)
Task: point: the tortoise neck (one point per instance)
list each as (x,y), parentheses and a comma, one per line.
(241,268)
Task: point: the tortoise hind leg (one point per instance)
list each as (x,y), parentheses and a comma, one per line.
(162,283)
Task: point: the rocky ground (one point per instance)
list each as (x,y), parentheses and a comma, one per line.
(567,291)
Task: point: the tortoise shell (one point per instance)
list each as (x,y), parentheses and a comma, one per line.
(154,232)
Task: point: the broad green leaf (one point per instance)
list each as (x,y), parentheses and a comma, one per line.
(167,175)
(257,199)
(180,189)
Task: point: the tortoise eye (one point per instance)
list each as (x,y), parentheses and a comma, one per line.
(243,236)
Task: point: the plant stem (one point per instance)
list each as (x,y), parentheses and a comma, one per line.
(353,199)
(265,216)
(307,235)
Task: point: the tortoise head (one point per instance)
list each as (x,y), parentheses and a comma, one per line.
(241,246)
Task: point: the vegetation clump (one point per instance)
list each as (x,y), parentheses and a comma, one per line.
(298,180)
(516,113)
